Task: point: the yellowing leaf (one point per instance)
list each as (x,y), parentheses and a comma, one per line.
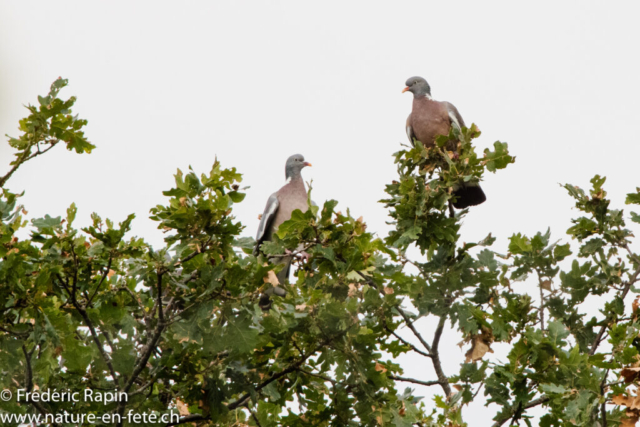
(183,409)
(271,278)
(380,368)
(353,290)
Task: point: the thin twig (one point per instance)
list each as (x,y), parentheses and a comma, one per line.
(160,274)
(154,378)
(529,405)
(104,275)
(402,314)
(413,380)
(331,380)
(15,334)
(96,340)
(541,302)
(608,319)
(405,342)
(25,157)
(29,382)
(105,356)
(189,419)
(142,360)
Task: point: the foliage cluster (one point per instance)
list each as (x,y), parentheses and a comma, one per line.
(178,329)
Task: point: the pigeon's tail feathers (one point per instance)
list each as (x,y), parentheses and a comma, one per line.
(468,195)
(265,302)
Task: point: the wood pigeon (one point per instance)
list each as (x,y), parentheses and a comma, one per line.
(280,206)
(428,120)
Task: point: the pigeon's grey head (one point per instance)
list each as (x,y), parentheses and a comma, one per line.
(294,165)
(418,86)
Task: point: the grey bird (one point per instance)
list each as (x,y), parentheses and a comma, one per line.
(280,206)
(430,119)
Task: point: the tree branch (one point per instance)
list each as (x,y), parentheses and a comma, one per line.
(405,342)
(189,419)
(15,334)
(609,318)
(104,275)
(26,156)
(159,290)
(435,359)
(96,340)
(412,380)
(407,321)
(105,356)
(513,411)
(141,363)
(322,377)
(29,383)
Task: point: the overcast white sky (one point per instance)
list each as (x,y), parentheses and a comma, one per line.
(166,85)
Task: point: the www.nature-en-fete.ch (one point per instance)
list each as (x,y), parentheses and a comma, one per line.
(67,418)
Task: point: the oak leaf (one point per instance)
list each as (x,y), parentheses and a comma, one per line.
(480,345)
(183,409)
(271,278)
(546,285)
(630,374)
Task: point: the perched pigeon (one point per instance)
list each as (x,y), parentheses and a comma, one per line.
(292,196)
(428,120)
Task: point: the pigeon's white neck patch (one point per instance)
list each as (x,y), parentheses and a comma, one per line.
(426,95)
(288,180)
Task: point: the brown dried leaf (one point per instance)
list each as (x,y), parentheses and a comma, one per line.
(480,345)
(630,374)
(353,290)
(619,399)
(183,409)
(546,285)
(635,304)
(110,274)
(388,291)
(301,307)
(380,368)
(260,216)
(402,411)
(630,418)
(631,402)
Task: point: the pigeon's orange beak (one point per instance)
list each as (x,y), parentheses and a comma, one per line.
(405,89)
(307,164)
